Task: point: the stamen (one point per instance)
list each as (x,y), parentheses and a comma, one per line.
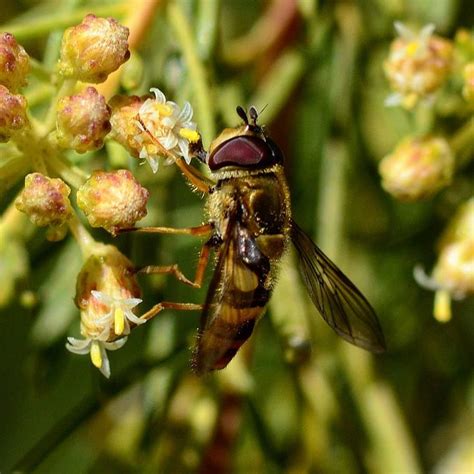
(164,109)
(442,306)
(119,321)
(190,135)
(96,356)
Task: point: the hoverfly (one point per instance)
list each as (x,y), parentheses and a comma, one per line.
(250,228)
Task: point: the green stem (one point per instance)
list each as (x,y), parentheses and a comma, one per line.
(71,174)
(207,26)
(279,84)
(197,74)
(42,25)
(66,88)
(86,242)
(461,141)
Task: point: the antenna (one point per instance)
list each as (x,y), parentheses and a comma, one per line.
(253,114)
(242,114)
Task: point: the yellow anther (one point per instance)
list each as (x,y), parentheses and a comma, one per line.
(119,321)
(190,135)
(164,109)
(412,48)
(442,306)
(96,356)
(410,100)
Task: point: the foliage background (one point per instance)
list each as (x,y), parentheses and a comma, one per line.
(316,66)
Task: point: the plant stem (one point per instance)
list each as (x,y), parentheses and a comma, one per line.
(391,447)
(44,24)
(83,238)
(197,74)
(71,174)
(66,88)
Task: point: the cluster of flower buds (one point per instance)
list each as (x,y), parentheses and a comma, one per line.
(80,119)
(14,68)
(417,66)
(417,168)
(453,274)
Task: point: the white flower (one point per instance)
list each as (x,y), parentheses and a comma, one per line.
(97,350)
(170,128)
(120,312)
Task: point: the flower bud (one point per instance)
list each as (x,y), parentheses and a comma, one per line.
(106,293)
(124,121)
(14,63)
(468,88)
(454,270)
(45,201)
(12,114)
(83,121)
(461,226)
(418,64)
(417,168)
(93,49)
(113,200)
(453,275)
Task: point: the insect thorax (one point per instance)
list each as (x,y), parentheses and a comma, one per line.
(260,202)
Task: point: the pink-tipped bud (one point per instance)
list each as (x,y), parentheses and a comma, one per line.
(93,49)
(454,270)
(14,63)
(418,64)
(107,272)
(417,168)
(13,117)
(124,121)
(113,200)
(45,201)
(83,121)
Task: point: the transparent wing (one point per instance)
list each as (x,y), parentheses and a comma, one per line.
(340,303)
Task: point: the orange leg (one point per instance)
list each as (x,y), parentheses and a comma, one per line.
(195,177)
(201,230)
(151,313)
(174,269)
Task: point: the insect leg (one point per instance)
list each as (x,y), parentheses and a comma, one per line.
(195,177)
(200,230)
(174,269)
(151,313)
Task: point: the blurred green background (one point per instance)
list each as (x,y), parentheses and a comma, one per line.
(298,400)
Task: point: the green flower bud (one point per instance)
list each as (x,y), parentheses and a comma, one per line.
(12,114)
(113,200)
(14,63)
(93,49)
(45,201)
(83,121)
(417,168)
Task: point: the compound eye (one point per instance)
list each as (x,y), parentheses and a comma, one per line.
(243,152)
